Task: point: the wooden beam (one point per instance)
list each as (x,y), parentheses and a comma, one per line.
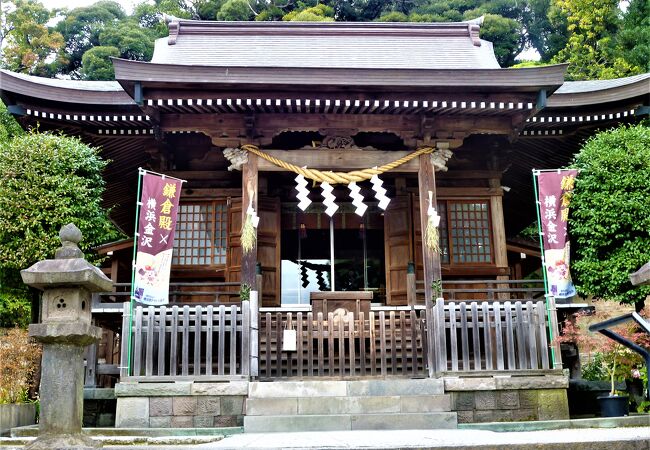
(249,192)
(233,126)
(337,159)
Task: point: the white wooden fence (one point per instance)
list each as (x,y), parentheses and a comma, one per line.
(486,336)
(187,342)
(221,342)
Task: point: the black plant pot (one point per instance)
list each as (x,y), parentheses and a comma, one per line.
(614,405)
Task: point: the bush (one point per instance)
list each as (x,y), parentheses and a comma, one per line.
(610,214)
(47,181)
(15,307)
(19,357)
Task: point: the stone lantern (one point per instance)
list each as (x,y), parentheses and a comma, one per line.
(67,282)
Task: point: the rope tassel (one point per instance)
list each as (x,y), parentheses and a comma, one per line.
(431,235)
(249,229)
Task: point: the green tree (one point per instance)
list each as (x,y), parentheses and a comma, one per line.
(131,40)
(81,29)
(318,13)
(96,63)
(9,128)
(590,50)
(47,181)
(610,214)
(634,37)
(506,35)
(235,10)
(28,44)
(15,304)
(150,15)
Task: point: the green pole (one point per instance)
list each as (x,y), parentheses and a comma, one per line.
(541,247)
(135,249)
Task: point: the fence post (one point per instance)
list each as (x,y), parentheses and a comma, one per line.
(254,333)
(124,343)
(410,284)
(245,314)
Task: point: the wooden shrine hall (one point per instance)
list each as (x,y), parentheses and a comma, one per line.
(234,108)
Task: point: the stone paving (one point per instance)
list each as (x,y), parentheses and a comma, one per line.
(631,438)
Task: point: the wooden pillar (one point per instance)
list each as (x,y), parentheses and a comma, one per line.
(499,241)
(411,298)
(249,191)
(431,258)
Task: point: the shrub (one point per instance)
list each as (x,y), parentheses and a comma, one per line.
(19,356)
(47,181)
(610,360)
(610,214)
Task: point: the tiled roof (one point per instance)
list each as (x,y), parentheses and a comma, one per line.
(578,87)
(96,86)
(325,45)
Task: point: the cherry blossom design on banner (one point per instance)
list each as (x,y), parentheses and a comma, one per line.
(155,238)
(555,191)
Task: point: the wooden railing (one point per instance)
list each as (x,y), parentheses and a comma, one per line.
(487,290)
(187,342)
(215,342)
(208,292)
(381,343)
(485,336)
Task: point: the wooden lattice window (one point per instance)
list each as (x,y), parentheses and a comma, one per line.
(201,234)
(465,236)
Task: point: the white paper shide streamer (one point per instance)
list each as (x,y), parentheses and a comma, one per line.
(255,220)
(303,192)
(432,213)
(380,192)
(357,199)
(431,236)
(329,199)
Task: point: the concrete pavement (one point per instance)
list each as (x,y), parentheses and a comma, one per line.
(629,438)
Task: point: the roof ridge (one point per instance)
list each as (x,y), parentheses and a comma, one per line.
(178,26)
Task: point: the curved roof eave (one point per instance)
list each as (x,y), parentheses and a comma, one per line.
(524,79)
(582,93)
(65,91)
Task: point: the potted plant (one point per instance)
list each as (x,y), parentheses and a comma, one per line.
(19,356)
(613,360)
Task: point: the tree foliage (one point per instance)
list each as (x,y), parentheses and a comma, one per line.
(28,44)
(591,50)
(595,38)
(47,181)
(96,63)
(610,214)
(634,36)
(81,29)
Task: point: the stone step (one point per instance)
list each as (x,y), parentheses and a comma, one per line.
(347,405)
(342,422)
(342,388)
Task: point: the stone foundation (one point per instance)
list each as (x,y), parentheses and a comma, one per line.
(180,404)
(508,398)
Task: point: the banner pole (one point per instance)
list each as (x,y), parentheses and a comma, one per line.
(162,175)
(549,310)
(141,172)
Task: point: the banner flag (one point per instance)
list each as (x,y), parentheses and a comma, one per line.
(555,191)
(155,238)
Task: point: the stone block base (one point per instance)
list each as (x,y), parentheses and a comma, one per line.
(180,405)
(508,399)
